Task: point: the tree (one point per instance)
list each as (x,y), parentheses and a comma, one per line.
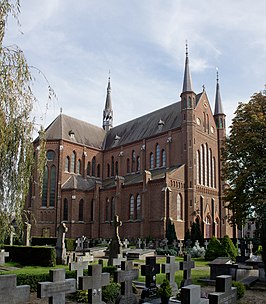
(170,231)
(16,126)
(245,165)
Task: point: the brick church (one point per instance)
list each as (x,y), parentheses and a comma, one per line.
(160,167)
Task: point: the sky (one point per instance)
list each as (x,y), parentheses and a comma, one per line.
(142,43)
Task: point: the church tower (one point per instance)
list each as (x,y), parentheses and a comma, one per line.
(188,104)
(108,111)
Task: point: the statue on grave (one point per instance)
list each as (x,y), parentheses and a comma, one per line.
(61,257)
(115,247)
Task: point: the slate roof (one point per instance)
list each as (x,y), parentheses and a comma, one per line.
(77,182)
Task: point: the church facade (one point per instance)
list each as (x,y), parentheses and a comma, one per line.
(162,167)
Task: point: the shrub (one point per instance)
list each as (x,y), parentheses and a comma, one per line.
(171,251)
(70,244)
(228,248)
(197,251)
(240,289)
(214,249)
(165,289)
(111,292)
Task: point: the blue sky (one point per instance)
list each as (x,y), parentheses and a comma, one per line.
(142,43)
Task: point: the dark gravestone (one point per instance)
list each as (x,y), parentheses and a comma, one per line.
(186,266)
(94,283)
(11,293)
(115,247)
(149,270)
(191,295)
(125,277)
(221,266)
(57,289)
(79,267)
(224,292)
(170,268)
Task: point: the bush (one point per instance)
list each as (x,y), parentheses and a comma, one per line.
(240,289)
(214,249)
(70,244)
(43,241)
(165,289)
(171,251)
(111,292)
(197,251)
(228,248)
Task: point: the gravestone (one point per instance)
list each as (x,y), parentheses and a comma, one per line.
(250,248)
(12,234)
(26,236)
(115,247)
(11,293)
(149,270)
(186,266)
(170,268)
(94,283)
(61,257)
(79,267)
(57,289)
(3,255)
(117,261)
(180,251)
(139,244)
(224,292)
(206,243)
(175,243)
(86,257)
(125,277)
(126,243)
(191,295)
(80,243)
(221,266)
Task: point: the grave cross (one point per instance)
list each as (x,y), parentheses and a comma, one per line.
(117,261)
(3,255)
(126,243)
(187,265)
(117,224)
(125,277)
(11,293)
(57,289)
(94,282)
(191,295)
(206,244)
(170,268)
(224,292)
(79,267)
(149,271)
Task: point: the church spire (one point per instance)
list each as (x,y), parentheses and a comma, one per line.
(187,83)
(218,101)
(108,111)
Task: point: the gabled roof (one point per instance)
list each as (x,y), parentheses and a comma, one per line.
(77,182)
(75,130)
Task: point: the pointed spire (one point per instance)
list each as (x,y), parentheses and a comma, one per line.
(108,111)
(187,83)
(218,101)
(108,103)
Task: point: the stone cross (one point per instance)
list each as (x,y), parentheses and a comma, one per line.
(170,268)
(12,234)
(3,255)
(79,267)
(149,270)
(125,277)
(79,242)
(117,224)
(86,257)
(191,295)
(94,283)
(57,289)
(126,243)
(187,265)
(60,244)
(115,247)
(11,293)
(27,230)
(117,261)
(250,247)
(206,243)
(224,292)
(175,243)
(139,243)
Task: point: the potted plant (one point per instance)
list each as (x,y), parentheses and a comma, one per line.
(165,291)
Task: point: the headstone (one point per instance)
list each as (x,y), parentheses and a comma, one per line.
(186,266)
(86,257)
(12,234)
(115,248)
(126,243)
(175,243)
(250,247)
(125,277)
(61,257)
(11,293)
(117,261)
(57,289)
(170,268)
(221,266)
(94,283)
(139,244)
(206,243)
(79,242)
(224,292)
(27,230)
(79,267)
(191,295)
(180,251)
(3,255)
(149,270)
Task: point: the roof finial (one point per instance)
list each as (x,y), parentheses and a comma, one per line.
(217,74)
(186,49)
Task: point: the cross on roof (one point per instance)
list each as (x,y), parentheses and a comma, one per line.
(94,283)
(79,267)
(170,268)
(149,270)
(187,265)
(57,289)
(125,277)
(224,292)
(11,293)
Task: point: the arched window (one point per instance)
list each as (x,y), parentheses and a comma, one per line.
(67,164)
(112,209)
(79,166)
(98,170)
(138,164)
(201,165)
(207,123)
(198,168)
(112,167)
(45,187)
(131,207)
(151,161)
(93,166)
(214,172)
(52,186)
(89,168)
(163,158)
(81,205)
(205,165)
(116,168)
(50,155)
(210,168)
(107,210)
(73,162)
(157,156)
(138,207)
(189,102)
(179,207)
(128,165)
(65,211)
(133,161)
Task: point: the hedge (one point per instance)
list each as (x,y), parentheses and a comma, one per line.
(51,241)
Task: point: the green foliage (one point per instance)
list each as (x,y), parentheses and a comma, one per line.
(240,289)
(165,289)
(169,251)
(111,292)
(214,249)
(70,244)
(170,232)
(32,280)
(43,241)
(109,269)
(196,233)
(228,248)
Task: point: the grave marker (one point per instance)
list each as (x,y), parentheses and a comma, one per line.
(224,292)
(206,243)
(126,243)
(186,266)
(11,293)
(3,255)
(115,247)
(86,257)
(117,261)
(79,267)
(170,268)
(191,295)
(57,289)
(94,283)
(149,270)
(125,277)
(60,244)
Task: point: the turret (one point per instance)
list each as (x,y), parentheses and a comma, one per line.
(219,115)
(108,111)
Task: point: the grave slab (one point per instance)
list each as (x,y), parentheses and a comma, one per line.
(224,292)
(191,295)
